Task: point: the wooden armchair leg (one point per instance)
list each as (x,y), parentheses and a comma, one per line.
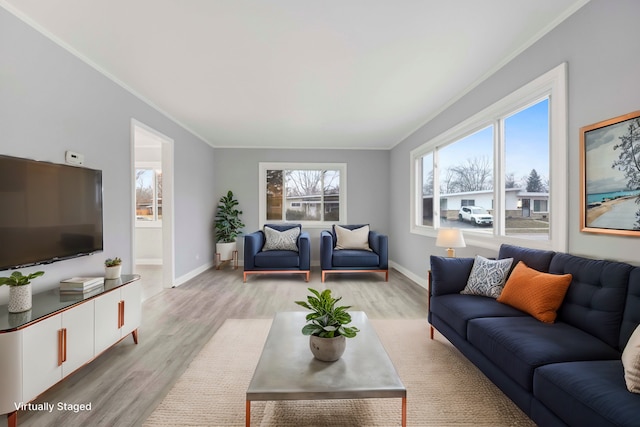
(431,330)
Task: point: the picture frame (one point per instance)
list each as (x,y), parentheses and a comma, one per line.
(610,176)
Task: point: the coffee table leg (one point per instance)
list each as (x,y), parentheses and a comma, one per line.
(248,414)
(404,412)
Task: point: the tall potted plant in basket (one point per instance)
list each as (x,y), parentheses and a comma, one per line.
(19,290)
(326,325)
(227,226)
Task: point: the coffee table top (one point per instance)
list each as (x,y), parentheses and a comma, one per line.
(288,371)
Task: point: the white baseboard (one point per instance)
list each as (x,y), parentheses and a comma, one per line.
(422,281)
(149,261)
(193,273)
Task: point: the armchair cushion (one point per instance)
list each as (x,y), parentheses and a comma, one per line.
(277,240)
(357,238)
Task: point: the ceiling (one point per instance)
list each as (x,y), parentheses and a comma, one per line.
(361,74)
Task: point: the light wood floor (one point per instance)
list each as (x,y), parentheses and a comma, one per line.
(127,382)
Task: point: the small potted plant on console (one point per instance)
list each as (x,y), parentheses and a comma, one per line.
(326,325)
(19,290)
(113,268)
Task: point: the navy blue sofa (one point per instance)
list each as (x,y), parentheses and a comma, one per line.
(568,373)
(257,261)
(354,260)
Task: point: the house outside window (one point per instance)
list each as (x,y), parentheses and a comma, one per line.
(514,150)
(313,194)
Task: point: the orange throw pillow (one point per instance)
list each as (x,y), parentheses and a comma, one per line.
(539,294)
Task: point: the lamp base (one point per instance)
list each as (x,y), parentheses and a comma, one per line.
(451,253)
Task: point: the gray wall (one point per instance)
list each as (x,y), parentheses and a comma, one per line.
(599,43)
(51,101)
(367,183)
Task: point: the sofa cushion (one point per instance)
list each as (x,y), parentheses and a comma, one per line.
(449,275)
(276,240)
(539,294)
(357,238)
(521,344)
(277,259)
(631,315)
(487,277)
(596,298)
(355,258)
(456,310)
(534,258)
(589,393)
(631,362)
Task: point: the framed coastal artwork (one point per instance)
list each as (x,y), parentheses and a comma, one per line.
(610,176)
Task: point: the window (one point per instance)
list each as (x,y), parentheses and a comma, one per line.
(313,194)
(509,160)
(148,195)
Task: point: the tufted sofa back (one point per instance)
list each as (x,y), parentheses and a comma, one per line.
(596,298)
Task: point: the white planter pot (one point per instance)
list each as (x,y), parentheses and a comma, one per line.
(112,272)
(19,298)
(225,250)
(327,349)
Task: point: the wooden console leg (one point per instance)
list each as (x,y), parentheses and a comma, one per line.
(12,419)
(134,334)
(248,414)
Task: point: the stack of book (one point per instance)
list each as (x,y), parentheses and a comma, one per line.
(80,285)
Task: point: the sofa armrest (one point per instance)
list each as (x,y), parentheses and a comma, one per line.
(304,250)
(252,245)
(379,243)
(326,250)
(449,275)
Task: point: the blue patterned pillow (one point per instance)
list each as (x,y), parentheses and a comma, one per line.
(487,277)
(275,240)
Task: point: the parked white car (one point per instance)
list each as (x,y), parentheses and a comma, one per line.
(475,215)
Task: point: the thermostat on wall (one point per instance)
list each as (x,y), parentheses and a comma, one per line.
(74,158)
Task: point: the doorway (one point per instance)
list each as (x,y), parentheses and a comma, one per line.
(152,169)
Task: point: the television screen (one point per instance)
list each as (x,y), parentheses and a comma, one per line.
(48,212)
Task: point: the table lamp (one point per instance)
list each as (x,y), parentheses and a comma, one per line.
(450,238)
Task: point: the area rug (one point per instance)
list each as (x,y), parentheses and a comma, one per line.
(443,387)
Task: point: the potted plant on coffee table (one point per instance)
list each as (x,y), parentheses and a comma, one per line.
(227,226)
(327,325)
(19,290)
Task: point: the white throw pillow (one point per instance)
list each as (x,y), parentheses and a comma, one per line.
(352,239)
(275,240)
(487,277)
(631,362)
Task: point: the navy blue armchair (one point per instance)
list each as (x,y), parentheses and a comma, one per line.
(366,253)
(278,248)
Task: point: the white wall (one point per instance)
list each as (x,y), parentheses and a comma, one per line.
(51,101)
(367,184)
(599,43)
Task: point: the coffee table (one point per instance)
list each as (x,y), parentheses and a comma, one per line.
(288,371)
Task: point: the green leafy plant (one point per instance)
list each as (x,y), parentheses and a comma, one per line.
(326,320)
(228,224)
(18,279)
(112,262)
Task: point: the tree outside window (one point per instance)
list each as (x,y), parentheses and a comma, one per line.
(148,194)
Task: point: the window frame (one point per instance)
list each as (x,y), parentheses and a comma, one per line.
(552,84)
(263,167)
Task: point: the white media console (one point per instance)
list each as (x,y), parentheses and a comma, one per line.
(59,335)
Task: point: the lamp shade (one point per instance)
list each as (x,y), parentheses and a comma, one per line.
(450,238)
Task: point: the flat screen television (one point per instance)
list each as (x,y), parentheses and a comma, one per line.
(48,212)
